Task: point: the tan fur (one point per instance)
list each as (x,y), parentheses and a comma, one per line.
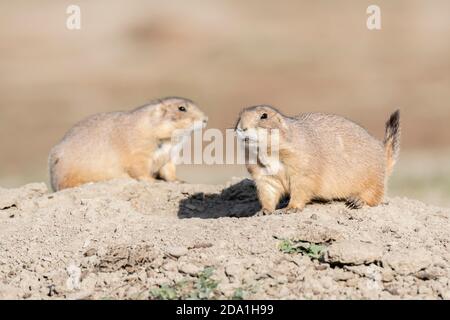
(321,156)
(134,144)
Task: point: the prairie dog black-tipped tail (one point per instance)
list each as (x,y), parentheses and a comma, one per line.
(392,141)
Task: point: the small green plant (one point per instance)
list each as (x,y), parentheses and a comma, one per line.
(286,246)
(164,292)
(203,287)
(238,294)
(312,250)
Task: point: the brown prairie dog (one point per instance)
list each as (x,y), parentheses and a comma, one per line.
(134,144)
(320,156)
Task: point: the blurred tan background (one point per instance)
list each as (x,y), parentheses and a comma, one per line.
(297,55)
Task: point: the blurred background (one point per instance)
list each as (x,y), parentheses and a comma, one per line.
(300,56)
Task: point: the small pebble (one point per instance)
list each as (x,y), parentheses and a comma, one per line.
(90,252)
(189,268)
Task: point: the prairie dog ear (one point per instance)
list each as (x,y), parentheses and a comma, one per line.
(159,111)
(279,119)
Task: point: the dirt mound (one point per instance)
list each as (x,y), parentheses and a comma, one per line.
(127,239)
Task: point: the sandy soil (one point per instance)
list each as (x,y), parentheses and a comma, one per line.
(126,239)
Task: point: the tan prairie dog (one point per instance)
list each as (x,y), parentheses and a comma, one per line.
(134,144)
(320,156)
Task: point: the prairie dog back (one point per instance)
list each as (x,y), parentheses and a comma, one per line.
(344,153)
(78,151)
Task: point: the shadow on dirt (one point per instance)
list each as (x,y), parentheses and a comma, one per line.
(238,200)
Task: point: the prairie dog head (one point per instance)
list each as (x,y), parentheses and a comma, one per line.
(176,116)
(258,124)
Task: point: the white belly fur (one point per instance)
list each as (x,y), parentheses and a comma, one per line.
(271,166)
(163,154)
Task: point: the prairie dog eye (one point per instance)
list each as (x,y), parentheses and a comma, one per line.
(264,116)
(182,108)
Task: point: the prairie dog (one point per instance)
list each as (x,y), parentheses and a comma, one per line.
(134,144)
(320,156)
